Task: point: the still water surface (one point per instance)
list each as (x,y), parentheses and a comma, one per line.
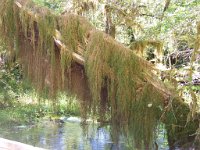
(71,136)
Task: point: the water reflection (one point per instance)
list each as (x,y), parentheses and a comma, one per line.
(71,136)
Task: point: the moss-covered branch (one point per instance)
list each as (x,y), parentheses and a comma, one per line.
(123,87)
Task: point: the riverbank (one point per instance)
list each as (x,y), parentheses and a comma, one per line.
(23,113)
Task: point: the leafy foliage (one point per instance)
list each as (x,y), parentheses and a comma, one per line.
(10,85)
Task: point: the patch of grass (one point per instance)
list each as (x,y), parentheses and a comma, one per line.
(29,111)
(68,105)
(20,104)
(20,114)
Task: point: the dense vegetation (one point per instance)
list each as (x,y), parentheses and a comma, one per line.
(166,34)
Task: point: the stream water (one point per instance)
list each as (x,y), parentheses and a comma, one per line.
(71,136)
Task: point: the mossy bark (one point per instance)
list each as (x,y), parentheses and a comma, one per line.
(179,128)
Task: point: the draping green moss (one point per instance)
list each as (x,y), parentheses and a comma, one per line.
(133,97)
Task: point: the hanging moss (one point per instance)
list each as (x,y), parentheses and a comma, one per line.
(7,24)
(197,44)
(144,118)
(38,26)
(74,30)
(123,87)
(140,46)
(129,92)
